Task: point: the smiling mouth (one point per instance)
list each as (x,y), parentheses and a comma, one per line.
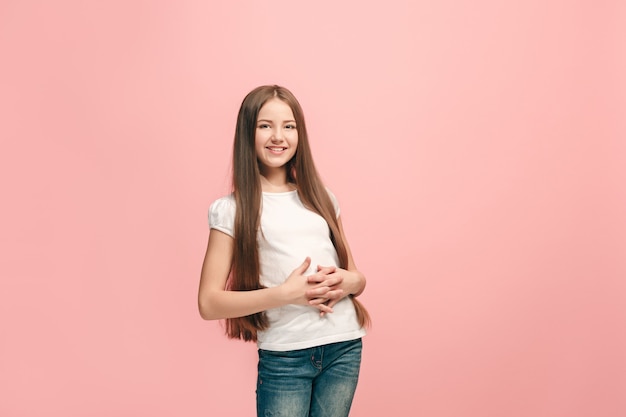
(276,148)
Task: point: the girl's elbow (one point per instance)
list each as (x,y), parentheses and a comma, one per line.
(362,282)
(206,312)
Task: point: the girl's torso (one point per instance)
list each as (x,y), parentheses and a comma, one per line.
(289,233)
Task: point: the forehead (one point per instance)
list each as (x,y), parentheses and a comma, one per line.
(275,109)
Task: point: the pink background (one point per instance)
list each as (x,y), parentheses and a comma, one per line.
(477,148)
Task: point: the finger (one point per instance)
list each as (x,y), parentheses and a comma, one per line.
(326,296)
(322,295)
(317,292)
(325,280)
(331,284)
(326,269)
(334,294)
(323,308)
(321,274)
(318,301)
(315,278)
(304,266)
(333,279)
(332,303)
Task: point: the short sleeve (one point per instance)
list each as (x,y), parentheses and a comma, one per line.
(335,202)
(222,215)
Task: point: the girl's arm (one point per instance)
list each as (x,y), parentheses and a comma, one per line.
(358,280)
(215,302)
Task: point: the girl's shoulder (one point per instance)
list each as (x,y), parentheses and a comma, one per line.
(222,214)
(227,200)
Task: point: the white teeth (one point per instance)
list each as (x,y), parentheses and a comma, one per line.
(276,149)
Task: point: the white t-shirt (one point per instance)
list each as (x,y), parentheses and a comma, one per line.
(289,233)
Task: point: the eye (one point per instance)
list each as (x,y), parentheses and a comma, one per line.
(290,126)
(264,126)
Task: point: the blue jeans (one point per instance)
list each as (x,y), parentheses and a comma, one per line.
(315,382)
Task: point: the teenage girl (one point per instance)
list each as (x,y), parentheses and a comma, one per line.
(278,267)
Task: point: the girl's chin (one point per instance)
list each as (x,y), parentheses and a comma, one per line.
(273,165)
(275,161)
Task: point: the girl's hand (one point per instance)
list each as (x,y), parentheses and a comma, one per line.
(325,288)
(302,290)
(340,284)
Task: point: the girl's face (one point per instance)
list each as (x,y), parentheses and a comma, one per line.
(276,135)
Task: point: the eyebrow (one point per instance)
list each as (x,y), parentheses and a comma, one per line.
(271,121)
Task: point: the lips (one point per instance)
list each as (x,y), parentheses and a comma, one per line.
(276,149)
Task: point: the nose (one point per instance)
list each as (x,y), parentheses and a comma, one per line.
(278,136)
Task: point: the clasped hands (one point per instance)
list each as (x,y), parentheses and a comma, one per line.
(321,290)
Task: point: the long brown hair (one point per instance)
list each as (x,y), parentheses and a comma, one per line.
(247,191)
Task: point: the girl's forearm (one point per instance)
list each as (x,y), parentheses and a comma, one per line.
(231,304)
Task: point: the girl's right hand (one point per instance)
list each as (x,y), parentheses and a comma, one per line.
(298,290)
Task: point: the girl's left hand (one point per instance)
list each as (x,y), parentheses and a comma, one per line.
(333,278)
(324,286)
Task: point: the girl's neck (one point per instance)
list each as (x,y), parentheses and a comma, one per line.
(276,182)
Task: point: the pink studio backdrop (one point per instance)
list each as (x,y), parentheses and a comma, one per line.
(477,149)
